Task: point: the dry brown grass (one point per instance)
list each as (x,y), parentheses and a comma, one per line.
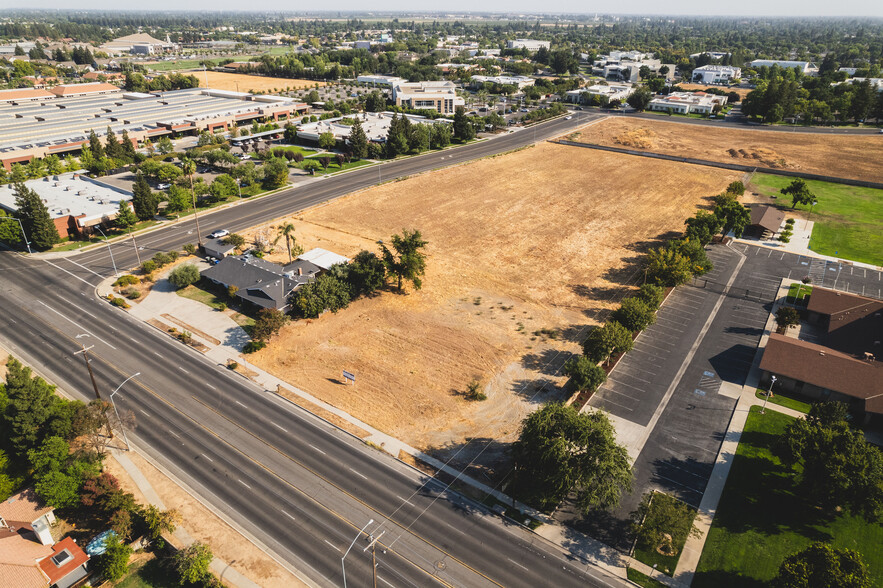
(742,92)
(244,83)
(538,239)
(846,156)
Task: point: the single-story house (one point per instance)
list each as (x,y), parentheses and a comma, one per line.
(765,221)
(844,364)
(217,248)
(28,557)
(323,258)
(262,283)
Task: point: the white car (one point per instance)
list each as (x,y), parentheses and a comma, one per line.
(568,117)
(163,186)
(219,233)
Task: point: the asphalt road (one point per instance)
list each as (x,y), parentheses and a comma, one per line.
(295,484)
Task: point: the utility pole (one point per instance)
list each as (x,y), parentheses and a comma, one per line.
(372,546)
(85,353)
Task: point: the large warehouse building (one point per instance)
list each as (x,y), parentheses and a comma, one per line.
(39,125)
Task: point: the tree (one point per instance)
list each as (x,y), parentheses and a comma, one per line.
(95,146)
(703,227)
(311,165)
(822,566)
(787,317)
(114,562)
(164,145)
(663,519)
(463,129)
(397,136)
(357,141)
(634,314)
(125,216)
(223,187)
(326,292)
(440,135)
(27,407)
(287,230)
(275,173)
(585,376)
(367,274)
(327,140)
(839,468)
(143,199)
(560,451)
(112,146)
(603,342)
(799,192)
(409,261)
(733,216)
(419,138)
(35,219)
(235,239)
(192,563)
(58,489)
(268,323)
(736,188)
(128,148)
(325,161)
(640,99)
(184,275)
(159,521)
(652,294)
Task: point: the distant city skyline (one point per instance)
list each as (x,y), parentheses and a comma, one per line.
(746,8)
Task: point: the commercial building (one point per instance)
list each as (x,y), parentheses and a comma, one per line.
(75,202)
(612,92)
(841,362)
(529,44)
(375,125)
(36,125)
(805,67)
(716,74)
(380,80)
(687,103)
(139,43)
(439,96)
(517,81)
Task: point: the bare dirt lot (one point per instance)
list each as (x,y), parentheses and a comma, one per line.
(525,250)
(244,83)
(742,92)
(845,156)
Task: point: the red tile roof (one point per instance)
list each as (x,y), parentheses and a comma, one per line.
(24,93)
(77,558)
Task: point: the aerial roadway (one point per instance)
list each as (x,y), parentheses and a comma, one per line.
(294,484)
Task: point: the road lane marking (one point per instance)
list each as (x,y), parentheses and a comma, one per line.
(244,484)
(183,370)
(77,325)
(385,581)
(70,273)
(240,404)
(207,457)
(357,473)
(85,268)
(332,545)
(174,434)
(157,354)
(405,501)
(317,449)
(517,564)
(278,427)
(210,386)
(288,515)
(144,413)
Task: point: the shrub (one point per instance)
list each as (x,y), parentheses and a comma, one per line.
(232,365)
(231,291)
(148,267)
(790,221)
(785,239)
(114,562)
(474,391)
(190,249)
(126,280)
(133,293)
(120,302)
(652,294)
(222,306)
(634,314)
(184,275)
(253,346)
(737,188)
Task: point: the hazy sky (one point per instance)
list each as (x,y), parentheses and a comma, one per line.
(690,7)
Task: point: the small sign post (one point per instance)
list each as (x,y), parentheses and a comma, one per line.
(348,377)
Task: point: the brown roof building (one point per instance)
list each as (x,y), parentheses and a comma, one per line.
(764,220)
(844,365)
(24,95)
(68,90)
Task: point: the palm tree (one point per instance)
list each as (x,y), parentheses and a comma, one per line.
(189,168)
(287,231)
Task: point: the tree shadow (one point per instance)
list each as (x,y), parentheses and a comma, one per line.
(576,333)
(611,527)
(728,364)
(549,361)
(647,244)
(538,391)
(485,459)
(627,274)
(724,579)
(685,479)
(753,331)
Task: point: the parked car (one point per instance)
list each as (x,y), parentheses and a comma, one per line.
(219,233)
(163,186)
(568,117)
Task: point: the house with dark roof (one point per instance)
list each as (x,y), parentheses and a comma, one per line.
(262,283)
(217,248)
(765,221)
(28,556)
(843,364)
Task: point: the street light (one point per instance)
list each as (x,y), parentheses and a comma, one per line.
(811,206)
(342,566)
(27,243)
(122,428)
(115,272)
(769,393)
(239,187)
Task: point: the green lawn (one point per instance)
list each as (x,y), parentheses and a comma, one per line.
(199,294)
(799,292)
(642,579)
(762,517)
(847,218)
(786,401)
(176,65)
(332,167)
(150,574)
(648,555)
(295,149)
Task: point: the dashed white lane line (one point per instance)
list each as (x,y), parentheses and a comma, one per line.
(145,413)
(183,370)
(358,474)
(517,564)
(207,457)
(288,515)
(210,386)
(332,545)
(405,501)
(174,434)
(244,484)
(279,427)
(317,449)
(240,404)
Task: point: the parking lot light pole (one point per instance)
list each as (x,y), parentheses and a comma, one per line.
(769,393)
(122,428)
(356,538)
(24,236)
(811,206)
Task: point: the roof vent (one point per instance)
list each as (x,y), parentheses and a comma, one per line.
(822,353)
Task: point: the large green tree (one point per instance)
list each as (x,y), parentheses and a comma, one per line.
(192,563)
(275,173)
(367,274)
(603,342)
(703,226)
(837,466)
(28,407)
(562,451)
(326,292)
(732,215)
(584,374)
(114,562)
(822,566)
(112,146)
(640,99)
(463,128)
(634,314)
(409,261)
(357,141)
(143,199)
(95,146)
(35,219)
(799,192)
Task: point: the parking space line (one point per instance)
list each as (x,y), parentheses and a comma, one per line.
(665,318)
(676,483)
(621,367)
(659,325)
(621,383)
(620,372)
(613,390)
(645,344)
(607,400)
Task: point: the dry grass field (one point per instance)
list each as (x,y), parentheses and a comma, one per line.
(525,250)
(846,156)
(245,83)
